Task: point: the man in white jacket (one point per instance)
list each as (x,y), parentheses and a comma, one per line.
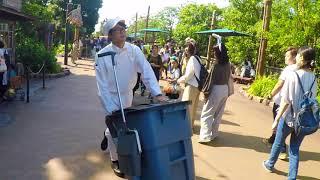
(129,61)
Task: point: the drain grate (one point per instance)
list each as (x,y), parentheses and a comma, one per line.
(5,119)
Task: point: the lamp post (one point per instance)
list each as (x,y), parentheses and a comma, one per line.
(66,33)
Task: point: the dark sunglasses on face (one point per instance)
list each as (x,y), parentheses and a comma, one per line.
(118,29)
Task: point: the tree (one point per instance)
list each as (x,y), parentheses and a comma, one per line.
(164,20)
(244,16)
(293,23)
(168,18)
(194,18)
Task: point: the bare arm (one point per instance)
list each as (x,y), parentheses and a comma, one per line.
(283,107)
(276,88)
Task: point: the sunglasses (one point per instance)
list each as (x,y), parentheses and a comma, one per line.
(119,29)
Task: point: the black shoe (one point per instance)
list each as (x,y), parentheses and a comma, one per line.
(116,170)
(272,138)
(104,143)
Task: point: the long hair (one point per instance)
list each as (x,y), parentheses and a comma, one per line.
(308,55)
(221,56)
(191,49)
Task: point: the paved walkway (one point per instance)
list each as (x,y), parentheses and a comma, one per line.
(57,137)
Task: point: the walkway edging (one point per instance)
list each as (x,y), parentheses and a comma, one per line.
(65,72)
(257,99)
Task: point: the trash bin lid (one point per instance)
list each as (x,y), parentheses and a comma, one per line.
(152,106)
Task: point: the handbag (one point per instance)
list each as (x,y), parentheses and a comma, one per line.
(3,66)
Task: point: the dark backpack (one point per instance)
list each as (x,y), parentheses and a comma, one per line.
(7,58)
(306,119)
(247,72)
(203,74)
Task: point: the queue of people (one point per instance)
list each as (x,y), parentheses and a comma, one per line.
(182,68)
(7,75)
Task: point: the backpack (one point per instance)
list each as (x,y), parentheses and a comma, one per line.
(306,120)
(247,72)
(203,74)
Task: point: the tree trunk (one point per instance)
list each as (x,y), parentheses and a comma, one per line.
(264,41)
(210,44)
(147,21)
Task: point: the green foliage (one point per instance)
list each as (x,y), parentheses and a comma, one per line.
(243,16)
(164,20)
(193,18)
(59,50)
(53,12)
(33,53)
(293,23)
(263,86)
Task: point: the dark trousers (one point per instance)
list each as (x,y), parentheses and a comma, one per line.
(156,73)
(273,136)
(2,87)
(143,87)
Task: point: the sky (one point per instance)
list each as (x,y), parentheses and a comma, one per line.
(127,9)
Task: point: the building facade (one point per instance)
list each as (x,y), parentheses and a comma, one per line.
(10,14)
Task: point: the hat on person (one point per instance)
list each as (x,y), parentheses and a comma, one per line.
(111,23)
(190,40)
(173,58)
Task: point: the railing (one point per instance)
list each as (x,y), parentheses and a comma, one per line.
(269,70)
(28,71)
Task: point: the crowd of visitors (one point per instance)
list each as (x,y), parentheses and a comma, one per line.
(181,69)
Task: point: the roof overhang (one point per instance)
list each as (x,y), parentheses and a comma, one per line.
(13,15)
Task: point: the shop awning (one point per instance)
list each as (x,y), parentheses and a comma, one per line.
(13,15)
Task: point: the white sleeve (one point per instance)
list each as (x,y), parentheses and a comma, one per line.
(219,39)
(103,90)
(177,74)
(147,74)
(189,70)
(282,76)
(288,89)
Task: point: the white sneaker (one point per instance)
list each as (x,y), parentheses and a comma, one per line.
(206,140)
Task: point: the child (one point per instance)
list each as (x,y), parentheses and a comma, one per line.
(172,91)
(175,71)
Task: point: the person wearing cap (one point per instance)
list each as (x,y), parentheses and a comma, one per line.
(172,89)
(129,61)
(175,71)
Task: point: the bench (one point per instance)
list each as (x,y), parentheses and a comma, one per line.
(242,80)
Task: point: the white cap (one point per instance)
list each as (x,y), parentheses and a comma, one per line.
(190,40)
(109,24)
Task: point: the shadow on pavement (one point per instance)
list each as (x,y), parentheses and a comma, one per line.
(229,123)
(281,173)
(227,139)
(201,178)
(196,129)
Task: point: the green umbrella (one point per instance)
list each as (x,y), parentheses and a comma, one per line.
(224,32)
(133,35)
(154,30)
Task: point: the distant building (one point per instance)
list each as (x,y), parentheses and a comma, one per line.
(10,13)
